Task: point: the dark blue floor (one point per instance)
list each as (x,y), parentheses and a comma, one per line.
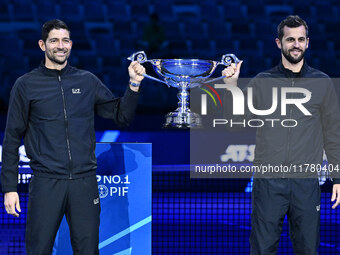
(194,223)
(219,223)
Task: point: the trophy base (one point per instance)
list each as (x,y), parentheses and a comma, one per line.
(178,120)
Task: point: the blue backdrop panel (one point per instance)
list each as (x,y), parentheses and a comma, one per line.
(124,184)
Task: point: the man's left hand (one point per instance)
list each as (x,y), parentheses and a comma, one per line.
(336,195)
(136,72)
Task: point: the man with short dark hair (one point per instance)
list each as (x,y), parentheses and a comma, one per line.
(295,193)
(52,108)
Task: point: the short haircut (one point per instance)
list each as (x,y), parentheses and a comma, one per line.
(50,25)
(291,21)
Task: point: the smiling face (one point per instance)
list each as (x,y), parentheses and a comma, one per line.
(293,44)
(57,48)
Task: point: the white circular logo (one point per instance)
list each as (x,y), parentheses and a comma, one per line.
(103,191)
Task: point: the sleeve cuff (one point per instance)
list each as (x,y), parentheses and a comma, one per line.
(6,189)
(129,91)
(336,181)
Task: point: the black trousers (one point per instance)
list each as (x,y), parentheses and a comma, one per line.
(272,199)
(49,201)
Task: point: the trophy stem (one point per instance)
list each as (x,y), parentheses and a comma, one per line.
(183,97)
(182,117)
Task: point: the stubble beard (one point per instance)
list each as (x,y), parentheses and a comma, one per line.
(56,60)
(290,58)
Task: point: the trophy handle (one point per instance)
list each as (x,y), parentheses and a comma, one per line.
(226,60)
(141,58)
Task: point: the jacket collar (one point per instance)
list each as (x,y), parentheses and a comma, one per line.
(288,73)
(54,72)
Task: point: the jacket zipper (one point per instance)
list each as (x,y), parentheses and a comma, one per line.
(288,138)
(66,128)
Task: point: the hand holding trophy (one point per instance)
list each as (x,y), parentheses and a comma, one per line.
(183,74)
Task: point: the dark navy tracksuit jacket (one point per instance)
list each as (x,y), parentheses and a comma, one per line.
(54,112)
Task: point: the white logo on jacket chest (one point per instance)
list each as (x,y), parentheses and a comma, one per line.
(76,91)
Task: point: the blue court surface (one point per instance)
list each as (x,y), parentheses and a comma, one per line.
(194,223)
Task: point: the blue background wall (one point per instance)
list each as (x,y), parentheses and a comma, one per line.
(190,216)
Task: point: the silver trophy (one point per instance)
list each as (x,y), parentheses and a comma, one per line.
(183,74)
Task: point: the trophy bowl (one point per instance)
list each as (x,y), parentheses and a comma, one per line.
(183,74)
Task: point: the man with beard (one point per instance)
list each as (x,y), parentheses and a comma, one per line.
(295,193)
(52,108)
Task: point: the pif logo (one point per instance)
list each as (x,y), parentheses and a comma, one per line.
(103,191)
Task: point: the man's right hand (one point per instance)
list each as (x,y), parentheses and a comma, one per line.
(11,203)
(231,73)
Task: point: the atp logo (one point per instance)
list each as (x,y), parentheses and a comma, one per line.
(204,98)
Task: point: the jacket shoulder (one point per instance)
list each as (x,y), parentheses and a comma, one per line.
(315,73)
(22,81)
(85,75)
(27,76)
(270,73)
(81,72)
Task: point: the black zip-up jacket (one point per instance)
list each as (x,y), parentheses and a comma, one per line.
(300,147)
(54,112)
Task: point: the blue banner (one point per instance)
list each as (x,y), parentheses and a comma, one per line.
(124,185)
